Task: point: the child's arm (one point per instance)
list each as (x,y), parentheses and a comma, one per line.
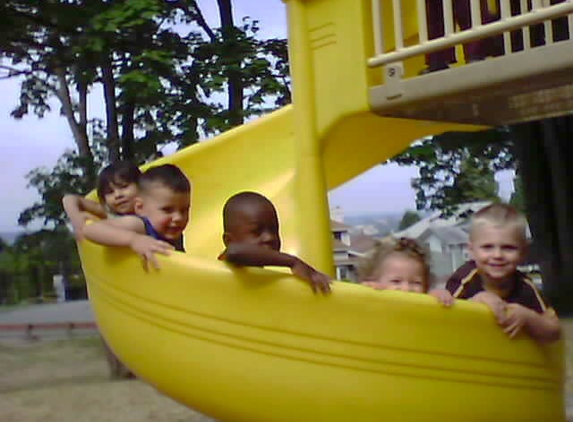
(249,255)
(128,231)
(543,328)
(493,302)
(75,207)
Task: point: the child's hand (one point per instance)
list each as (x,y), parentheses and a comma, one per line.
(495,303)
(443,296)
(147,247)
(517,318)
(318,281)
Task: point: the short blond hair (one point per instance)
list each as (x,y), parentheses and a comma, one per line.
(499,215)
(369,267)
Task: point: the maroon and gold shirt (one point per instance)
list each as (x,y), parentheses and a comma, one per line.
(466,283)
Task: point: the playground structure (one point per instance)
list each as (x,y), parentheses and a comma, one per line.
(256,345)
(530,80)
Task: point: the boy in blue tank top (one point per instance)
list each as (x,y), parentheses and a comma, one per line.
(161,214)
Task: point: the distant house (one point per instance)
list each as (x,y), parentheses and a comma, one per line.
(445,238)
(348,249)
(447,246)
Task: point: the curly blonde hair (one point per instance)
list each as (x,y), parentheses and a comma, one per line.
(370,266)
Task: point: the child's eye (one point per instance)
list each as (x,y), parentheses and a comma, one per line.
(167,209)
(509,248)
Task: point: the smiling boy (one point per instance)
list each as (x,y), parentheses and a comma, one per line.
(497,246)
(161,214)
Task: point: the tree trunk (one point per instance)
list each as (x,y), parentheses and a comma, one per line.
(117,370)
(127,127)
(63,93)
(110,109)
(235,86)
(543,149)
(89,167)
(192,10)
(82,88)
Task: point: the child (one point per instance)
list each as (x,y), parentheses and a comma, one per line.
(497,245)
(251,238)
(162,212)
(400,265)
(116,191)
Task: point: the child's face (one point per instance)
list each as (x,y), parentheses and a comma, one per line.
(497,251)
(120,197)
(401,272)
(166,210)
(255,223)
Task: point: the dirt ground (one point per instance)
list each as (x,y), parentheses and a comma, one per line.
(67,381)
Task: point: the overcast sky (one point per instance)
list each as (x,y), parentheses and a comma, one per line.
(32,142)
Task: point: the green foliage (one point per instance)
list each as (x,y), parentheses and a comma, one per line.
(27,266)
(68,175)
(261,66)
(458,167)
(408,219)
(163,70)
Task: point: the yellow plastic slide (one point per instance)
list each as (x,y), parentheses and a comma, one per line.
(255,345)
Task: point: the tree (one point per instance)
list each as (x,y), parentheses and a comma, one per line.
(518,196)
(458,167)
(160,84)
(408,219)
(63,48)
(475,181)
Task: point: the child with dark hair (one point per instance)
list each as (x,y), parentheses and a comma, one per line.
(161,214)
(400,264)
(116,191)
(251,238)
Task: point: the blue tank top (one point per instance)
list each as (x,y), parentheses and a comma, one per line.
(150,231)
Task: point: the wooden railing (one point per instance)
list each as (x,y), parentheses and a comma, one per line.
(531,12)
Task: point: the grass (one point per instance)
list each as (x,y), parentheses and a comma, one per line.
(67,381)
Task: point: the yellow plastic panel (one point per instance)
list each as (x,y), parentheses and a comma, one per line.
(256,346)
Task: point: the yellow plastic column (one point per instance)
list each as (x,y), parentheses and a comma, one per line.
(313,217)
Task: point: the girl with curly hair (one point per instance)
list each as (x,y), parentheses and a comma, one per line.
(401,264)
